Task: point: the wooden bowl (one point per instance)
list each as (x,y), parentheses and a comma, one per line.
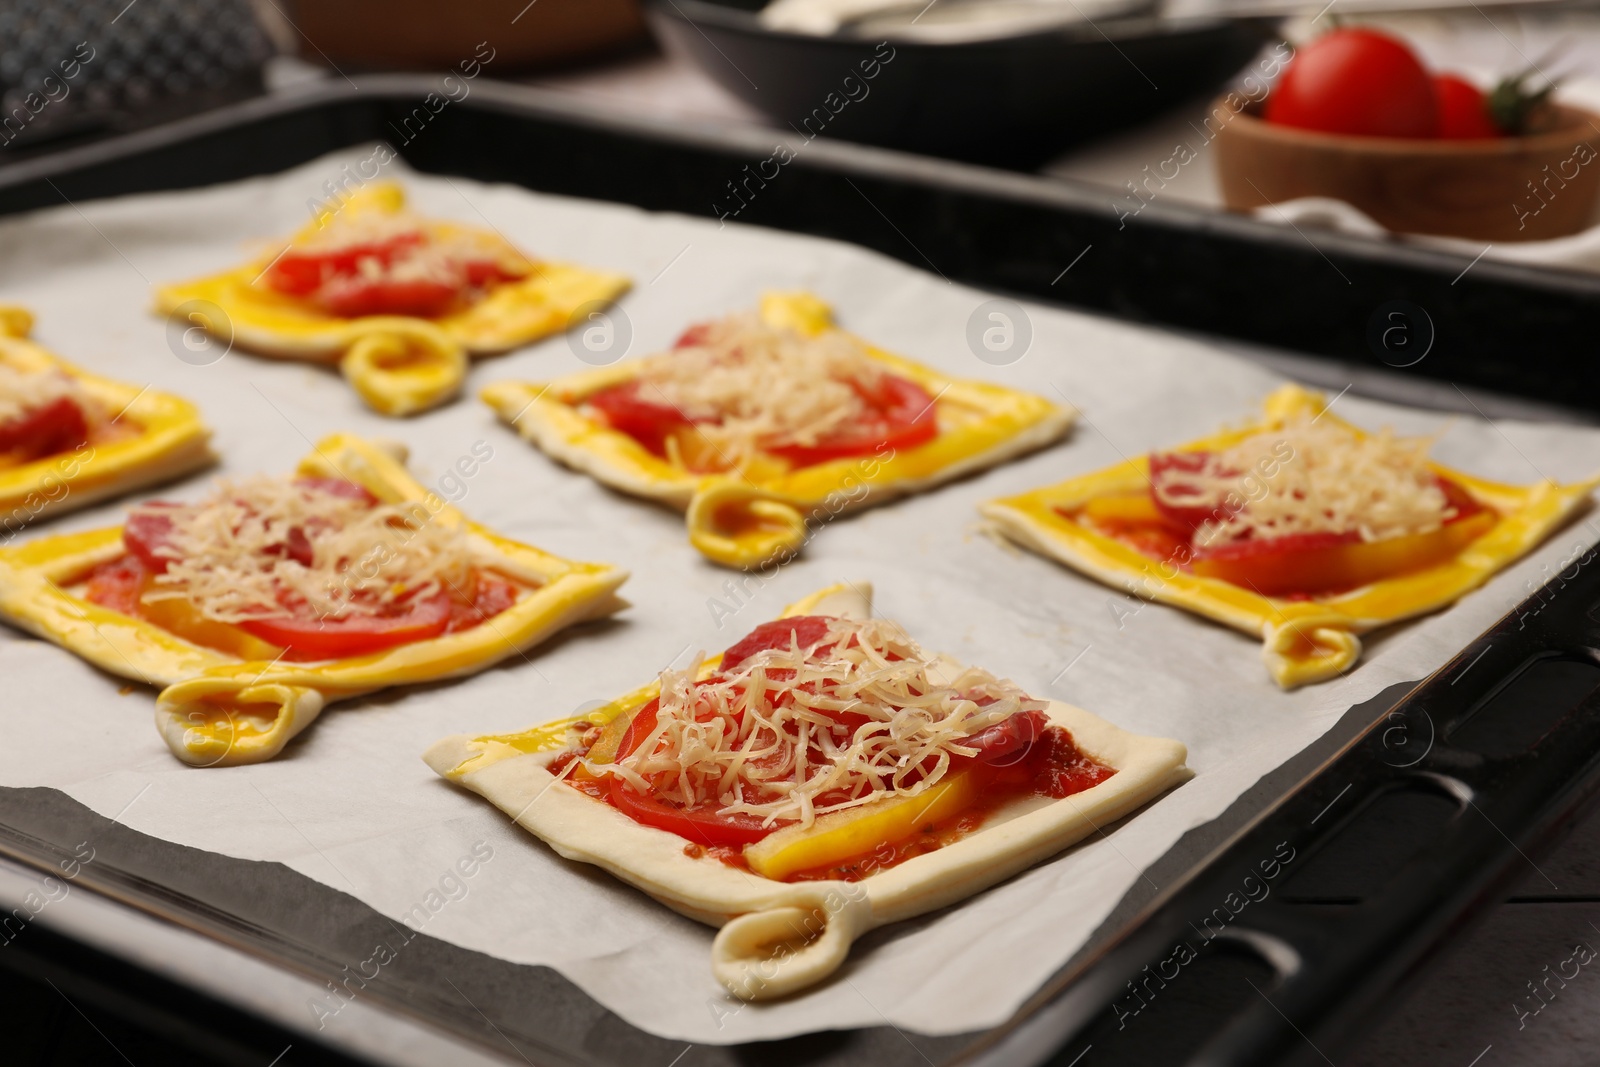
(1508,189)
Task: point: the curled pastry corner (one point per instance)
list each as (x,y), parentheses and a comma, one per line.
(15,321)
(162,437)
(769,510)
(220,709)
(765,954)
(411,368)
(1307,649)
(776,938)
(741,525)
(233,716)
(233,305)
(1303,642)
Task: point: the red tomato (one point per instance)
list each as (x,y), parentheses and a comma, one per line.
(492,595)
(354,295)
(339,487)
(626,411)
(117,585)
(148,532)
(1356,81)
(145,534)
(58,426)
(1005,744)
(451,611)
(697,334)
(482,273)
(903,417)
(702,824)
(360,279)
(300,271)
(1463,110)
(1163,465)
(1324,562)
(809,630)
(1009,741)
(354,635)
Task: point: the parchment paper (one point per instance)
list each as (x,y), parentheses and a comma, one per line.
(351,804)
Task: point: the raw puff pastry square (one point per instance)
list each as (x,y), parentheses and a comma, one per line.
(1303,641)
(761,920)
(217,709)
(399,364)
(172,441)
(748,520)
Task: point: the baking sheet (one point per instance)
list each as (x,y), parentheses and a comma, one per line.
(351,805)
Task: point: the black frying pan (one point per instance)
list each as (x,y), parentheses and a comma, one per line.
(1011,102)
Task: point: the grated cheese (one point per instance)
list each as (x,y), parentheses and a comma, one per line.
(752,387)
(728,742)
(22,392)
(1306,478)
(433,256)
(349,228)
(228,554)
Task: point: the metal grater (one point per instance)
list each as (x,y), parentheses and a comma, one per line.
(70,66)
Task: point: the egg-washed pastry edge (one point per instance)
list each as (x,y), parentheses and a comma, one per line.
(1303,641)
(215,709)
(173,440)
(400,365)
(752,912)
(743,522)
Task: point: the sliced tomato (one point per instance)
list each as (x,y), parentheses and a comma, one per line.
(117,584)
(1322,562)
(698,334)
(491,595)
(361,279)
(626,411)
(58,426)
(809,630)
(1005,744)
(702,824)
(339,487)
(354,635)
(352,296)
(301,271)
(1166,467)
(482,273)
(452,611)
(903,416)
(147,532)
(1009,741)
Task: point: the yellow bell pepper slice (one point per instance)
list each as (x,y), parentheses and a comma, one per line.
(855,832)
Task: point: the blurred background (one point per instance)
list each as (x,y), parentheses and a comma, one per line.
(1121,94)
